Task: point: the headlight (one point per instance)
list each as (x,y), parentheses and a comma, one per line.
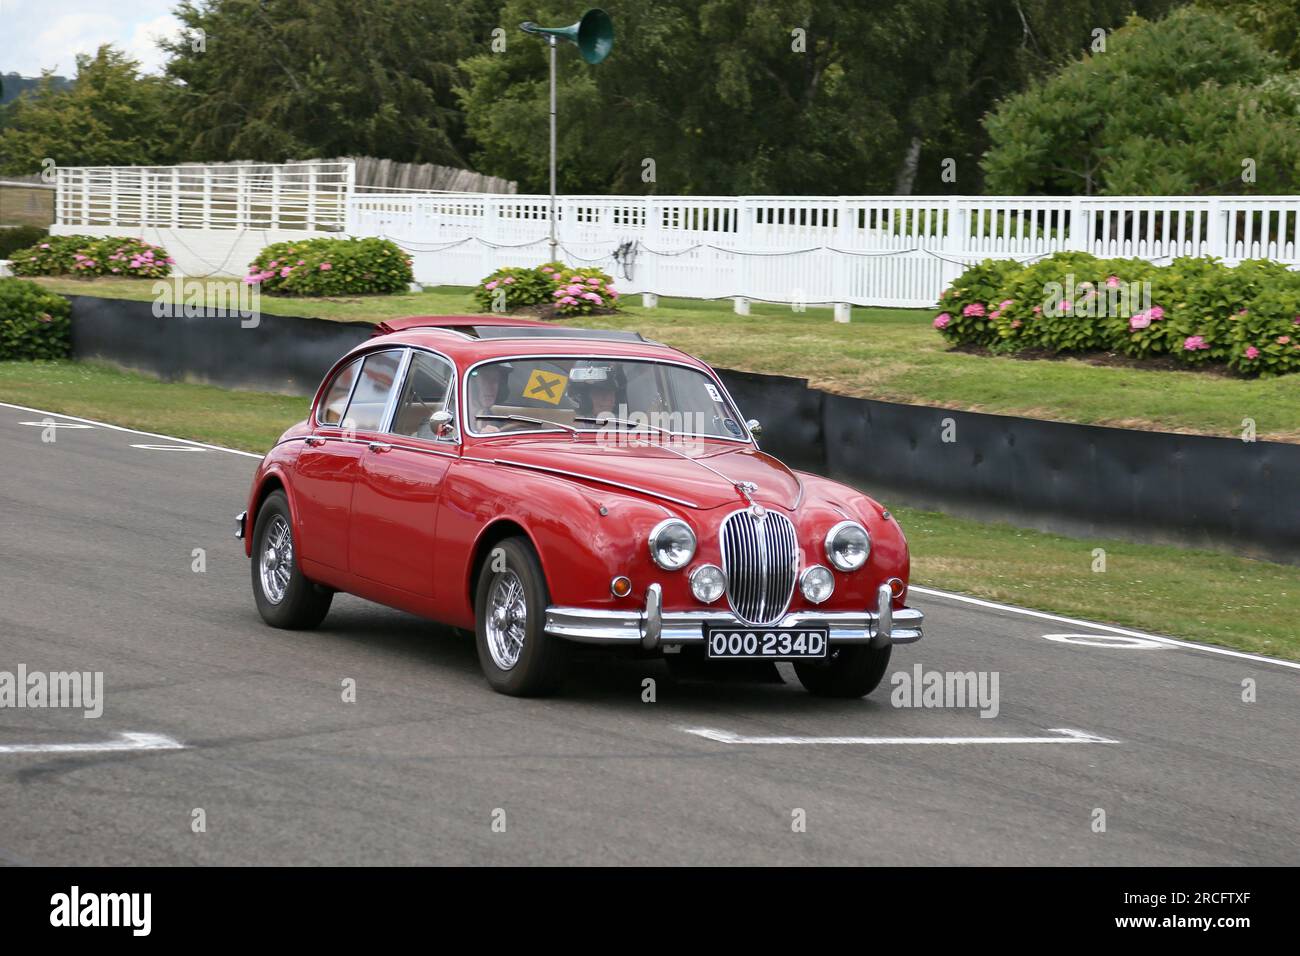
(847,545)
(817,584)
(672,544)
(707,583)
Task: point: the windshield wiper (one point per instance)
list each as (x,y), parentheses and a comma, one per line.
(625,422)
(531,421)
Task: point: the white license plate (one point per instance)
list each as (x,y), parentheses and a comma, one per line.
(768,643)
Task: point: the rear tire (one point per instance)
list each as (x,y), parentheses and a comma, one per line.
(284,597)
(854,670)
(516,654)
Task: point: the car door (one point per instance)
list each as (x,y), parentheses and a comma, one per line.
(327,467)
(399,482)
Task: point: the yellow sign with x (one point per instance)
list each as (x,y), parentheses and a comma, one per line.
(546,387)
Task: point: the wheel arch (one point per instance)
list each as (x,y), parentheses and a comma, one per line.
(496,532)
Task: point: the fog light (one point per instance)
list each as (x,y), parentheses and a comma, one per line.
(621,586)
(707,583)
(817,584)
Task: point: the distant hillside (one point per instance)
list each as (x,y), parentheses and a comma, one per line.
(11,85)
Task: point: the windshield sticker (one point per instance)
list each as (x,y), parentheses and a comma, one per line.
(713,392)
(546,387)
(732,427)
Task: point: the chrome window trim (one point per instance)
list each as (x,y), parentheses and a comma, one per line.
(357,360)
(708,372)
(454,438)
(399,382)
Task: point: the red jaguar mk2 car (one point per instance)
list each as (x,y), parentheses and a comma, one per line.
(547,487)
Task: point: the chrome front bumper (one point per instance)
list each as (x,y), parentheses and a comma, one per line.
(654,628)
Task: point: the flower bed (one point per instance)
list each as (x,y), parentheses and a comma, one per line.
(1195,311)
(549,290)
(88,256)
(325,267)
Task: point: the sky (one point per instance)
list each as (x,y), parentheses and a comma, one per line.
(36,34)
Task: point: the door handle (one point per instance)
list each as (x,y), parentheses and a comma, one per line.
(379,446)
(313,441)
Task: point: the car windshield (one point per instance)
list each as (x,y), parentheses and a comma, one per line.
(595,394)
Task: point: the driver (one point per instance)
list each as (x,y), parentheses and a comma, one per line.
(596,390)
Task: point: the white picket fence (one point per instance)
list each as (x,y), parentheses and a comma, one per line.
(863,250)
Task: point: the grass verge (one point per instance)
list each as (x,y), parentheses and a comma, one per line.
(1197,595)
(889,354)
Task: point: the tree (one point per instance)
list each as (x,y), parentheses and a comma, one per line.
(319,78)
(1184,105)
(1275,22)
(110,116)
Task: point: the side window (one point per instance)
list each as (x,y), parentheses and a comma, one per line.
(370,398)
(336,396)
(427,382)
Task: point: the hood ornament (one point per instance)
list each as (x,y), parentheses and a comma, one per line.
(747,488)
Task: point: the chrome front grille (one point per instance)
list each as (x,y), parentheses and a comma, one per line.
(760,557)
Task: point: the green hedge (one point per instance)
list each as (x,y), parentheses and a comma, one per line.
(331,267)
(1195,310)
(34,324)
(19,237)
(572,291)
(92,256)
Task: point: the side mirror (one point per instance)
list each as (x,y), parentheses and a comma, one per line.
(755,427)
(441,421)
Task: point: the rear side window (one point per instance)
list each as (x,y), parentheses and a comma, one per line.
(336,396)
(370,397)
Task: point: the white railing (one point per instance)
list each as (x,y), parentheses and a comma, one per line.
(860,250)
(308,195)
(864,250)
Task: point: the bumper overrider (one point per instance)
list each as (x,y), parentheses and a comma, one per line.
(654,627)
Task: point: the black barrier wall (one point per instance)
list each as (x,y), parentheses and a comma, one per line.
(1053,476)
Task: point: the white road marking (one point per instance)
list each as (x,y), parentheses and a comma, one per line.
(48,424)
(169,448)
(1075,622)
(1107,640)
(89,422)
(1066,736)
(126,741)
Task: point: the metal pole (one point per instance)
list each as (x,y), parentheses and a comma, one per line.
(553,240)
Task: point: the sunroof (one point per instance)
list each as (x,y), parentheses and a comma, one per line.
(553,332)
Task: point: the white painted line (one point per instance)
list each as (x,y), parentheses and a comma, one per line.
(170,448)
(134,431)
(1065,736)
(1075,622)
(49,424)
(1107,640)
(127,741)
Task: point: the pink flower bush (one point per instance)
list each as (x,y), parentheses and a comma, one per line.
(1139,321)
(1252,353)
(1284,340)
(1156,313)
(1003,304)
(325,267)
(975,309)
(941,320)
(1194,343)
(1112,281)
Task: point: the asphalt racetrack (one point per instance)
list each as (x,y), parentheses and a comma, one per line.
(428,766)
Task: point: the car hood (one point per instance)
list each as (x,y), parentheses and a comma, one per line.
(702,474)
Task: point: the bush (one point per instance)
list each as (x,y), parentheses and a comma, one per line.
(572,291)
(513,287)
(34,323)
(90,256)
(1195,310)
(324,267)
(20,237)
(580,291)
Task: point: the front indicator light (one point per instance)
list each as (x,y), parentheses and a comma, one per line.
(817,583)
(707,583)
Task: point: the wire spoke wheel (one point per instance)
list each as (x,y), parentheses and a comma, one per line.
(276,560)
(507,619)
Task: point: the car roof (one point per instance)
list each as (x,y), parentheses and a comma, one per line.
(472,338)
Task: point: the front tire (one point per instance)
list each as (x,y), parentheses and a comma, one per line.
(284,597)
(516,654)
(854,670)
